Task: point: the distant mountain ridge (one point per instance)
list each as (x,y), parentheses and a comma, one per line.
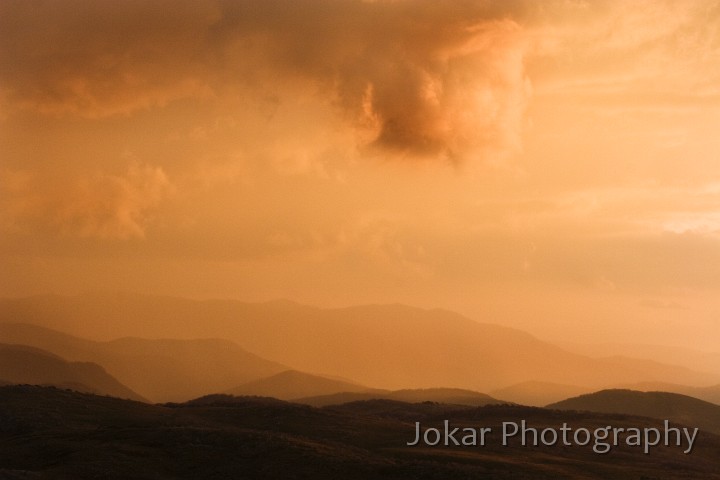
(450,396)
(319,391)
(291,384)
(683,356)
(20,364)
(161,370)
(386,346)
(538,394)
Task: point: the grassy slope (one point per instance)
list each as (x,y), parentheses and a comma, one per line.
(50,433)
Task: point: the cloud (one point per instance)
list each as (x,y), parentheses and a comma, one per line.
(383,242)
(98,206)
(621,56)
(80,57)
(418,78)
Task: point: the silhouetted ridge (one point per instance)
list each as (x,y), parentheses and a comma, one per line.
(709,394)
(439,395)
(21,364)
(162,369)
(51,433)
(292,384)
(661,405)
(225,399)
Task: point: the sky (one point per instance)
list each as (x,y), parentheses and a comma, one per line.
(551,166)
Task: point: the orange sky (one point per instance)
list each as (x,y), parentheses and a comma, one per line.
(546,165)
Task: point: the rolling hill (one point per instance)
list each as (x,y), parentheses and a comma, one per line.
(709,394)
(386,346)
(161,370)
(20,364)
(449,396)
(48,433)
(661,405)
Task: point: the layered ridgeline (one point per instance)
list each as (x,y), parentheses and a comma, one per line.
(318,390)
(448,396)
(179,370)
(683,356)
(161,370)
(20,364)
(292,385)
(538,394)
(662,405)
(383,346)
(47,433)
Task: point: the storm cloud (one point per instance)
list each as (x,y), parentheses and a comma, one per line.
(418,78)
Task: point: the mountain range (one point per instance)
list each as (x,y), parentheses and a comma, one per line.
(28,365)
(324,393)
(163,370)
(383,346)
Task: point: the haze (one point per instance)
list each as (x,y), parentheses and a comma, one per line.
(550,166)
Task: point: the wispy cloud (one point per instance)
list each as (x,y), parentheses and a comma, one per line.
(99,205)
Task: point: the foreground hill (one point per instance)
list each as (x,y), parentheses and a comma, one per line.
(662,405)
(451,396)
(161,370)
(291,384)
(20,364)
(48,433)
(709,394)
(386,346)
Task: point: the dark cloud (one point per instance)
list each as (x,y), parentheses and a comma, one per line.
(417,77)
(427,77)
(98,59)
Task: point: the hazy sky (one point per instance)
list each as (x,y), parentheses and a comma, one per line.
(549,165)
